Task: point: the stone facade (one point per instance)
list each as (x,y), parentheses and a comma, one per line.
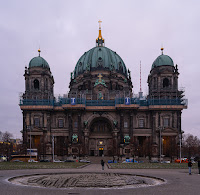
(100,115)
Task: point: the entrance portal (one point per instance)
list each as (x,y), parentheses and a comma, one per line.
(100,151)
(100,138)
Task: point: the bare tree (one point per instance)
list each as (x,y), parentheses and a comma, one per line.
(191,145)
(6,147)
(1,134)
(7,137)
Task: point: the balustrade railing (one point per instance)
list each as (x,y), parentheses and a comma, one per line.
(117,101)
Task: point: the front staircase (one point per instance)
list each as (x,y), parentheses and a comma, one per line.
(97,159)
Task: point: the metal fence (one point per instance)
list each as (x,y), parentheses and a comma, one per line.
(117,101)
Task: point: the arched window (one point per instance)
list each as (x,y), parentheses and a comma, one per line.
(166,122)
(46,84)
(154,83)
(141,122)
(36,84)
(165,82)
(27,84)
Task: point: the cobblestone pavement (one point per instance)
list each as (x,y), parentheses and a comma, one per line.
(177,182)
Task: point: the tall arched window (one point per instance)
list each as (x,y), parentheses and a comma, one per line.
(165,82)
(36,84)
(46,84)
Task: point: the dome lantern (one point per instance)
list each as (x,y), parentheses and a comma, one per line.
(100,40)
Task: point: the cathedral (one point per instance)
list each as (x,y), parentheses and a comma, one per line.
(100,115)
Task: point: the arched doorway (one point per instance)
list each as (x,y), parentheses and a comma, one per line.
(169,146)
(100,137)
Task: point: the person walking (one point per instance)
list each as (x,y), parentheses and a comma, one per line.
(199,166)
(190,167)
(102,164)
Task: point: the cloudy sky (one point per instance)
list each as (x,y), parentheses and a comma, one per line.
(65,29)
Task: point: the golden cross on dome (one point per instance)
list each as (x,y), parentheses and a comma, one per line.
(100,76)
(99,24)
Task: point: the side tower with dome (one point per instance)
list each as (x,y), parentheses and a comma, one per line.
(39,82)
(166,118)
(100,115)
(39,90)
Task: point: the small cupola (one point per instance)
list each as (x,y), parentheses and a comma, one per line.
(162,60)
(38,62)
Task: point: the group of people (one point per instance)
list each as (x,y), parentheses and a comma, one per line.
(190,166)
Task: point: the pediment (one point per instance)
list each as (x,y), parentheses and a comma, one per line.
(169,131)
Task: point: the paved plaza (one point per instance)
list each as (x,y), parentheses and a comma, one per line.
(176,181)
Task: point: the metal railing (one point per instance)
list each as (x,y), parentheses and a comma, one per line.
(36,102)
(100,103)
(117,101)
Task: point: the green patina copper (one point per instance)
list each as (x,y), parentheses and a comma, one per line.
(99,57)
(100,96)
(74,138)
(127,139)
(38,62)
(162,60)
(102,82)
(115,123)
(85,123)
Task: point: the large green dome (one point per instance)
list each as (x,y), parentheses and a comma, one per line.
(38,62)
(162,60)
(99,58)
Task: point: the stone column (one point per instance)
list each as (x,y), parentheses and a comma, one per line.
(173,119)
(159,119)
(121,126)
(70,127)
(115,142)
(44,143)
(24,133)
(79,126)
(179,121)
(154,144)
(153,122)
(131,125)
(86,141)
(49,135)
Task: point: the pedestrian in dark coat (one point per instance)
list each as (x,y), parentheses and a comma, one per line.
(199,166)
(102,164)
(190,167)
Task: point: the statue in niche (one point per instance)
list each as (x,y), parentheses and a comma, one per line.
(129,74)
(100,96)
(115,123)
(71,75)
(85,123)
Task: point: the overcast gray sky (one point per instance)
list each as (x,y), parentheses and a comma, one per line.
(65,29)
